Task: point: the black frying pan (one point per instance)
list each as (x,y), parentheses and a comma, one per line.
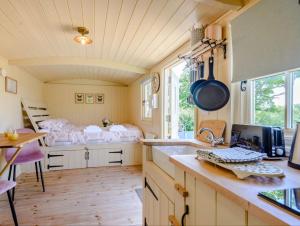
(211,95)
(200,77)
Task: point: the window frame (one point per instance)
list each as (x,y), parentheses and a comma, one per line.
(289,95)
(143,99)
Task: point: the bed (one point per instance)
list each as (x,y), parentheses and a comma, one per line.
(68,146)
(65,133)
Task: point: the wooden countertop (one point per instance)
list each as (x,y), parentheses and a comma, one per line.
(24,138)
(173,142)
(244,192)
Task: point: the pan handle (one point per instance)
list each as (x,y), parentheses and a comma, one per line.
(201,70)
(211,68)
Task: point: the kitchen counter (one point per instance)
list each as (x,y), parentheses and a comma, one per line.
(243,192)
(173,142)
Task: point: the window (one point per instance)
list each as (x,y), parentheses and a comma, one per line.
(147,99)
(178,113)
(276,100)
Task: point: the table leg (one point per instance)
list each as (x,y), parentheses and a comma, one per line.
(10,161)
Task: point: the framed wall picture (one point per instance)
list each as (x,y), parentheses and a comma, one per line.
(11,85)
(99,98)
(79,98)
(89,98)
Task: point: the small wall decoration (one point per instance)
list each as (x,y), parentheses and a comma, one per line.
(89,98)
(11,85)
(99,98)
(155,82)
(79,98)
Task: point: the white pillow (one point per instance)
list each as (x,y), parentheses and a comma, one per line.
(53,123)
(117,128)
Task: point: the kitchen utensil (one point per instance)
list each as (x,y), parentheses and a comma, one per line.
(294,159)
(211,95)
(200,76)
(197,34)
(216,126)
(214,32)
(193,72)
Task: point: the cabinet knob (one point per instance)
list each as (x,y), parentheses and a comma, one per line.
(173,220)
(181,190)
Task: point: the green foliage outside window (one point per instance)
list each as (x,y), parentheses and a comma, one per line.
(186,113)
(266,111)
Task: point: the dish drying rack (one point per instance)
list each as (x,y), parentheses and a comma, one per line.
(242,162)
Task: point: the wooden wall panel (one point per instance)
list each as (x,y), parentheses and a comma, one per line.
(60,101)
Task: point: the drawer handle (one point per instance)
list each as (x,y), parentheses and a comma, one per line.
(173,220)
(116,152)
(181,190)
(52,156)
(121,162)
(54,166)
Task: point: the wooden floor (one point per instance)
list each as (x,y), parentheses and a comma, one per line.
(94,196)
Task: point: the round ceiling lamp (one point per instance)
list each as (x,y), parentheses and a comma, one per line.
(83,39)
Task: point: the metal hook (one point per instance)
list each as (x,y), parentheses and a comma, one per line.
(201,56)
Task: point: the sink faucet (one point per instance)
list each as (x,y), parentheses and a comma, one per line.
(211,138)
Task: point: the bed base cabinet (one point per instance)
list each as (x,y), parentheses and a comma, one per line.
(105,157)
(57,160)
(132,154)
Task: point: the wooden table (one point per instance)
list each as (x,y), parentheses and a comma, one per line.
(24,138)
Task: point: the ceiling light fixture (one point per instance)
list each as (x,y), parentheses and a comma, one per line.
(83,39)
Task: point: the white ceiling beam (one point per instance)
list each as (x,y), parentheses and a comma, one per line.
(78,61)
(226,4)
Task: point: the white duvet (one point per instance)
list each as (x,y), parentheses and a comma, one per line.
(67,133)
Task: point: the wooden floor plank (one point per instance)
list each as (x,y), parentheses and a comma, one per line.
(94,196)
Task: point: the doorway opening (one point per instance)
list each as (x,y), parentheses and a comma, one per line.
(179,115)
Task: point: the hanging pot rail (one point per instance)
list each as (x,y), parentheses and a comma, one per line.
(203,47)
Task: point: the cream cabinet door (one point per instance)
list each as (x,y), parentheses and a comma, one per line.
(255,221)
(179,199)
(201,201)
(229,213)
(166,209)
(57,160)
(105,157)
(157,206)
(151,203)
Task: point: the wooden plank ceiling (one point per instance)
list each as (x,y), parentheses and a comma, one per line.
(129,35)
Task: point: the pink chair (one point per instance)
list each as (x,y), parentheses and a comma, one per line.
(30,153)
(6,186)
